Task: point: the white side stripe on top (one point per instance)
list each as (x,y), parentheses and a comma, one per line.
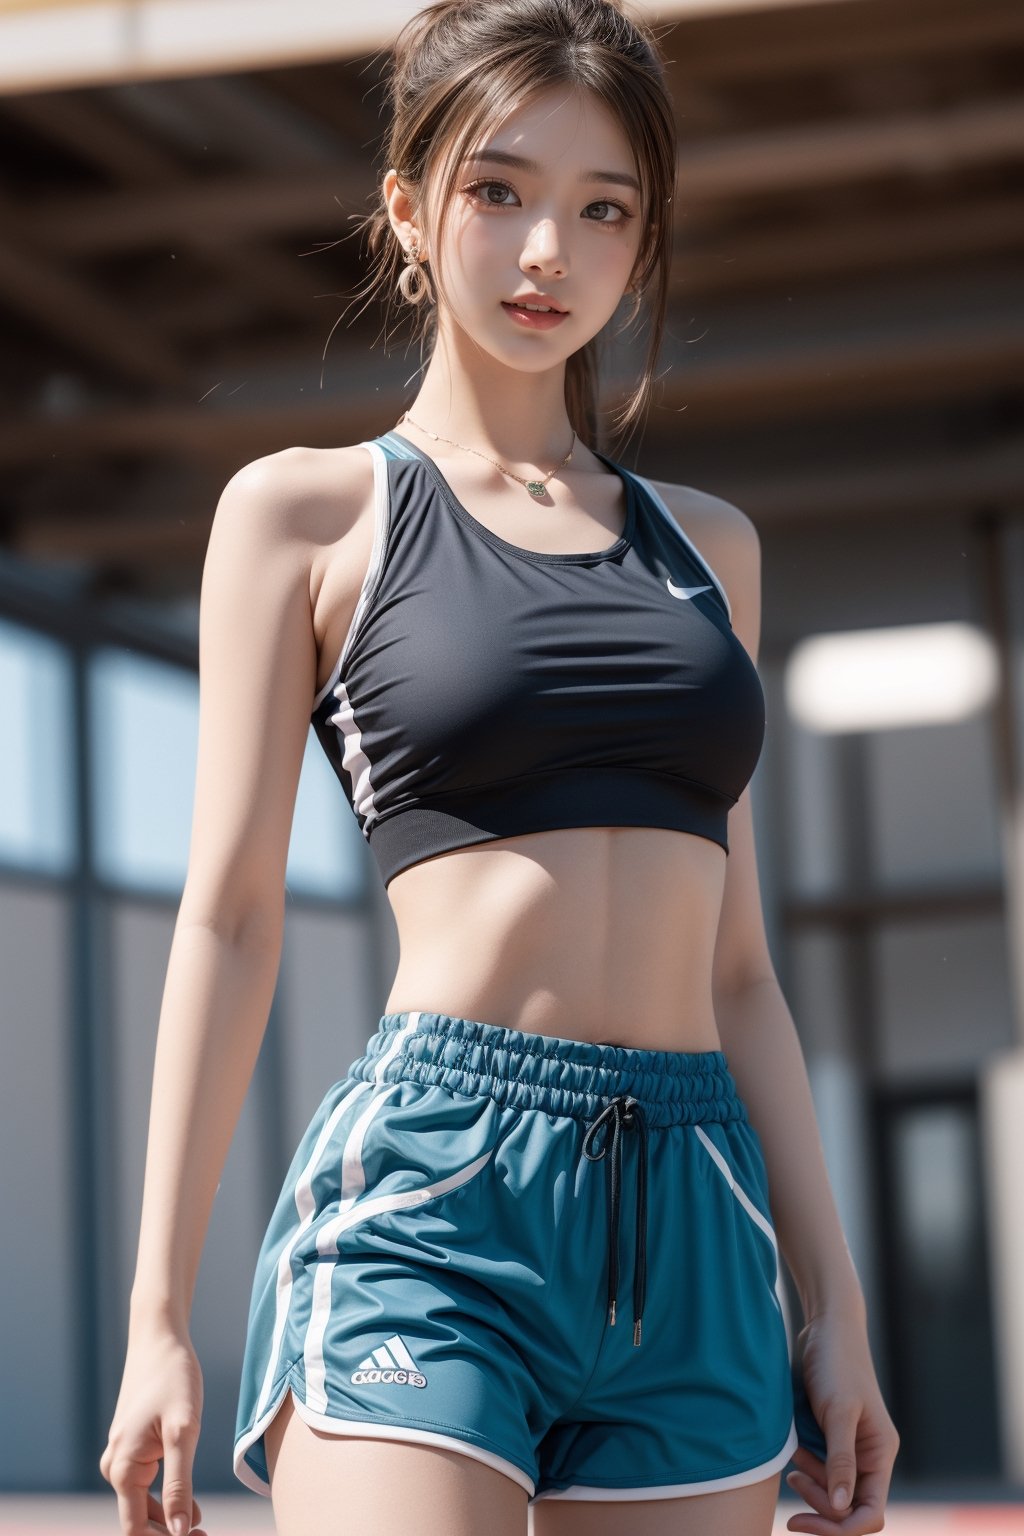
(681,533)
(381,517)
(353,759)
(745,1201)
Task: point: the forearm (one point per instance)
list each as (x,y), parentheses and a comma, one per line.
(215,1007)
(763,1051)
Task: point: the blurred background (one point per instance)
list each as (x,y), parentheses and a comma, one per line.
(844,360)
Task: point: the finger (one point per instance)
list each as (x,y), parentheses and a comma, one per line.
(157,1518)
(806,1461)
(179,1439)
(841,1465)
(132,1511)
(861,1521)
(872,1492)
(811,1492)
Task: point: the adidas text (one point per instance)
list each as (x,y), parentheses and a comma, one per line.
(399,1377)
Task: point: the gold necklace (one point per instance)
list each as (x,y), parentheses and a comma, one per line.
(535,487)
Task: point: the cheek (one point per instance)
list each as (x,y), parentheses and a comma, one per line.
(610,260)
(482,241)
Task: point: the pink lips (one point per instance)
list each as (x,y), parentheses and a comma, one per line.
(533,319)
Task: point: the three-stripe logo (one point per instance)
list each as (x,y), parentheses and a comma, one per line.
(390,1364)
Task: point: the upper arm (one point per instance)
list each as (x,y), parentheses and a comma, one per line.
(257,669)
(730,541)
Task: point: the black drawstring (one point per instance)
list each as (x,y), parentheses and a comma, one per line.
(623,1111)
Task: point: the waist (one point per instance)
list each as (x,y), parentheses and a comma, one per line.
(534,1071)
(602,934)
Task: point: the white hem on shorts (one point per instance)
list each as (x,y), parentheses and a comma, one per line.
(583,1494)
(372,1429)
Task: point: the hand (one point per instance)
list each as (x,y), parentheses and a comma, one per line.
(847,1490)
(158,1414)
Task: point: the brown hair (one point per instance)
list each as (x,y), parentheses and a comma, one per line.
(458,68)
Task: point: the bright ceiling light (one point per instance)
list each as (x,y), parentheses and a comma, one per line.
(881,679)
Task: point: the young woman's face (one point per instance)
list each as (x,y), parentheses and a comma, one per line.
(567,227)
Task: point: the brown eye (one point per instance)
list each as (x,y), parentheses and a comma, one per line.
(626,215)
(489,202)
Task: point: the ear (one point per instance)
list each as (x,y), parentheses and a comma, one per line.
(400,209)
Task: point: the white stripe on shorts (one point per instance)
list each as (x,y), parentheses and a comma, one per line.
(327,1239)
(304,1205)
(745,1201)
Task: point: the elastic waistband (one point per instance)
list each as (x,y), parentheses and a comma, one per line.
(563,1077)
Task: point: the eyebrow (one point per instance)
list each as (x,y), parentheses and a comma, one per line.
(520,163)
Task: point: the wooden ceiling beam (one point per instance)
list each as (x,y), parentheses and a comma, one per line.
(34,284)
(752,261)
(208,211)
(901,360)
(76,122)
(914,146)
(793,42)
(770,163)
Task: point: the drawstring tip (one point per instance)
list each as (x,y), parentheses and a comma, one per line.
(636,1331)
(611,1315)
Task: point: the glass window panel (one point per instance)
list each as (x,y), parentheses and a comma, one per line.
(934,802)
(943,997)
(818,991)
(37,760)
(941,1338)
(328,989)
(937,1195)
(144,735)
(813,784)
(140,937)
(46,1243)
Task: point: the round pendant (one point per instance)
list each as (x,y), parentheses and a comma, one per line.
(535,487)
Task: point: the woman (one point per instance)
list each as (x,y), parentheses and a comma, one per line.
(545,712)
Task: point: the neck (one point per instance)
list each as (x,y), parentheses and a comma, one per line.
(514,416)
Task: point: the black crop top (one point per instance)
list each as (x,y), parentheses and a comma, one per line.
(485,690)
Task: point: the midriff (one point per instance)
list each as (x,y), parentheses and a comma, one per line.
(604,934)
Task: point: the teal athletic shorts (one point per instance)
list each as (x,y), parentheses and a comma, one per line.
(444,1265)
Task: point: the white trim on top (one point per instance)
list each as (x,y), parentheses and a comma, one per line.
(381,515)
(691,546)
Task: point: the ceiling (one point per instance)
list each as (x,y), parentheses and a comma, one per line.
(846,337)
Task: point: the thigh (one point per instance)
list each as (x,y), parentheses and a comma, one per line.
(750,1510)
(344,1485)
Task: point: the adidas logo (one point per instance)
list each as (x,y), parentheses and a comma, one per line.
(392,1363)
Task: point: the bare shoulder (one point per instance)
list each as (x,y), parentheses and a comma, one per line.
(710,518)
(723,533)
(298,496)
(729,541)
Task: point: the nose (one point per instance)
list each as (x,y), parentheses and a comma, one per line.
(543,249)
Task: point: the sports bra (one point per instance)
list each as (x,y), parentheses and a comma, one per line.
(485,690)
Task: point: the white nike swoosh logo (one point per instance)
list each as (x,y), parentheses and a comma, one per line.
(686,591)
